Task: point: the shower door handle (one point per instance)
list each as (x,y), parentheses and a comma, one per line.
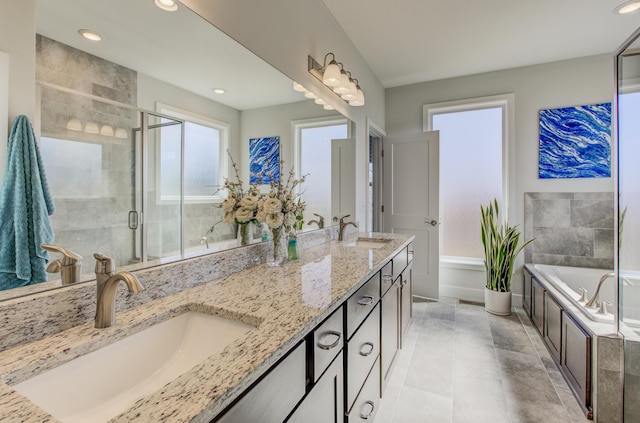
(133,219)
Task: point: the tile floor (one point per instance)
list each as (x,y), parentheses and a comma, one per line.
(461,364)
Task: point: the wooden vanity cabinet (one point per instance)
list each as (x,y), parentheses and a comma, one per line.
(553,326)
(390,329)
(537,305)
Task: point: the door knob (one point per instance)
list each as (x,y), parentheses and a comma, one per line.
(432,222)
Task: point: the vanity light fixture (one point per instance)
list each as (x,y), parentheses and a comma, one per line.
(91,128)
(343,85)
(106,130)
(219,90)
(627,7)
(74,125)
(168,5)
(89,34)
(298,87)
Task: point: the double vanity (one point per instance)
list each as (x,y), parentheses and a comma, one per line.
(313,340)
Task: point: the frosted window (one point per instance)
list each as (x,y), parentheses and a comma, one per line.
(73,168)
(470,175)
(202,160)
(315,160)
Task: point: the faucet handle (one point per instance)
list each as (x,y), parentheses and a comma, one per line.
(603,307)
(341,219)
(104,264)
(584,297)
(68,257)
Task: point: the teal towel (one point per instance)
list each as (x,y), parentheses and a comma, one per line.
(25,207)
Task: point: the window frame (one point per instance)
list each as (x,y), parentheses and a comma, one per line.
(223,172)
(502,101)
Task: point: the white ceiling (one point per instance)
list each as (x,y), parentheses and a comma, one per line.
(409,41)
(178,47)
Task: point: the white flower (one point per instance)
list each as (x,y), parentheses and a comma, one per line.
(229,204)
(272,205)
(228,217)
(274,220)
(244,214)
(289,219)
(249,202)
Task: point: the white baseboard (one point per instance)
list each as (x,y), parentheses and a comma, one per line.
(472,294)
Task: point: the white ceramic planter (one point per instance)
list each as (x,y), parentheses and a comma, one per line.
(498,303)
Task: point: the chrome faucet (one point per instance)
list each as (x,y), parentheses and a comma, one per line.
(593,302)
(69,266)
(343,225)
(319,222)
(107,281)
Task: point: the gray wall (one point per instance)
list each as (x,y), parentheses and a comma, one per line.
(567,83)
(570,229)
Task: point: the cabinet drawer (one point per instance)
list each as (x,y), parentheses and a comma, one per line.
(400,261)
(386,278)
(366,405)
(363,350)
(360,304)
(267,402)
(328,340)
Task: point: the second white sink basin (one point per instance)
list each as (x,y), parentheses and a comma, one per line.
(370,243)
(102,384)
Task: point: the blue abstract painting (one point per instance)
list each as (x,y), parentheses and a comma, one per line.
(575,142)
(264,160)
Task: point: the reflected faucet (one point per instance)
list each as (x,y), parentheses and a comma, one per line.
(319,222)
(593,302)
(107,281)
(69,266)
(343,225)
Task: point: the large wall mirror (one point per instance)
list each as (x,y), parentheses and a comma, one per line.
(628,134)
(134,132)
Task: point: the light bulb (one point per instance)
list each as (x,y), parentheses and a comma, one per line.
(91,128)
(331,76)
(168,5)
(74,125)
(344,84)
(106,130)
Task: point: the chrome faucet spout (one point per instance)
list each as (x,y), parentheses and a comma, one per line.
(593,302)
(107,282)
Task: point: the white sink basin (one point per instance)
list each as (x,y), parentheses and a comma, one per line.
(369,243)
(102,384)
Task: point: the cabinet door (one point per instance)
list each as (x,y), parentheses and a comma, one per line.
(363,350)
(390,329)
(366,405)
(273,398)
(576,358)
(407,301)
(325,402)
(537,305)
(526,293)
(553,326)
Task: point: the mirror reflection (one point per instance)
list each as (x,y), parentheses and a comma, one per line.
(134,132)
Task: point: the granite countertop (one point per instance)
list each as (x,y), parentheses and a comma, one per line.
(284,303)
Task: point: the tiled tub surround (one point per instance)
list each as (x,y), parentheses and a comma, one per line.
(285,303)
(570,229)
(607,357)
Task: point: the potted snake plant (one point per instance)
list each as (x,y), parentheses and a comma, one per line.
(500,242)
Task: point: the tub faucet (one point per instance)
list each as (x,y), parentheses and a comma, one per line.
(343,225)
(69,266)
(107,281)
(593,302)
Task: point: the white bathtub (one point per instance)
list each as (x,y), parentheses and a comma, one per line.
(569,280)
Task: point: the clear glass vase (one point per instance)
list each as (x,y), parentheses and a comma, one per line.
(245,233)
(277,252)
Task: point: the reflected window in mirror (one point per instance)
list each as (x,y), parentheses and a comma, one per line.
(314,140)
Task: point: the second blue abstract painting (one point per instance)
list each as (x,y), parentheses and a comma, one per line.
(264,160)
(575,142)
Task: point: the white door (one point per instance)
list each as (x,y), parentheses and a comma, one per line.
(343,177)
(411,202)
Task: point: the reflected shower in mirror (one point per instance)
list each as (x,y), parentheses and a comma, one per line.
(111,114)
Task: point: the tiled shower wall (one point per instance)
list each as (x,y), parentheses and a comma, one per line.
(570,229)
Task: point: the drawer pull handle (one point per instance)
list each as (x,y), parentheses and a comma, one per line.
(387,277)
(366,416)
(366,300)
(334,344)
(367,353)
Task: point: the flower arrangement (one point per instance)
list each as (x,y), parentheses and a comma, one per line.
(240,207)
(282,210)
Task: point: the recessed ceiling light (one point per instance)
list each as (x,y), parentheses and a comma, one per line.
(168,5)
(89,34)
(218,91)
(627,7)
